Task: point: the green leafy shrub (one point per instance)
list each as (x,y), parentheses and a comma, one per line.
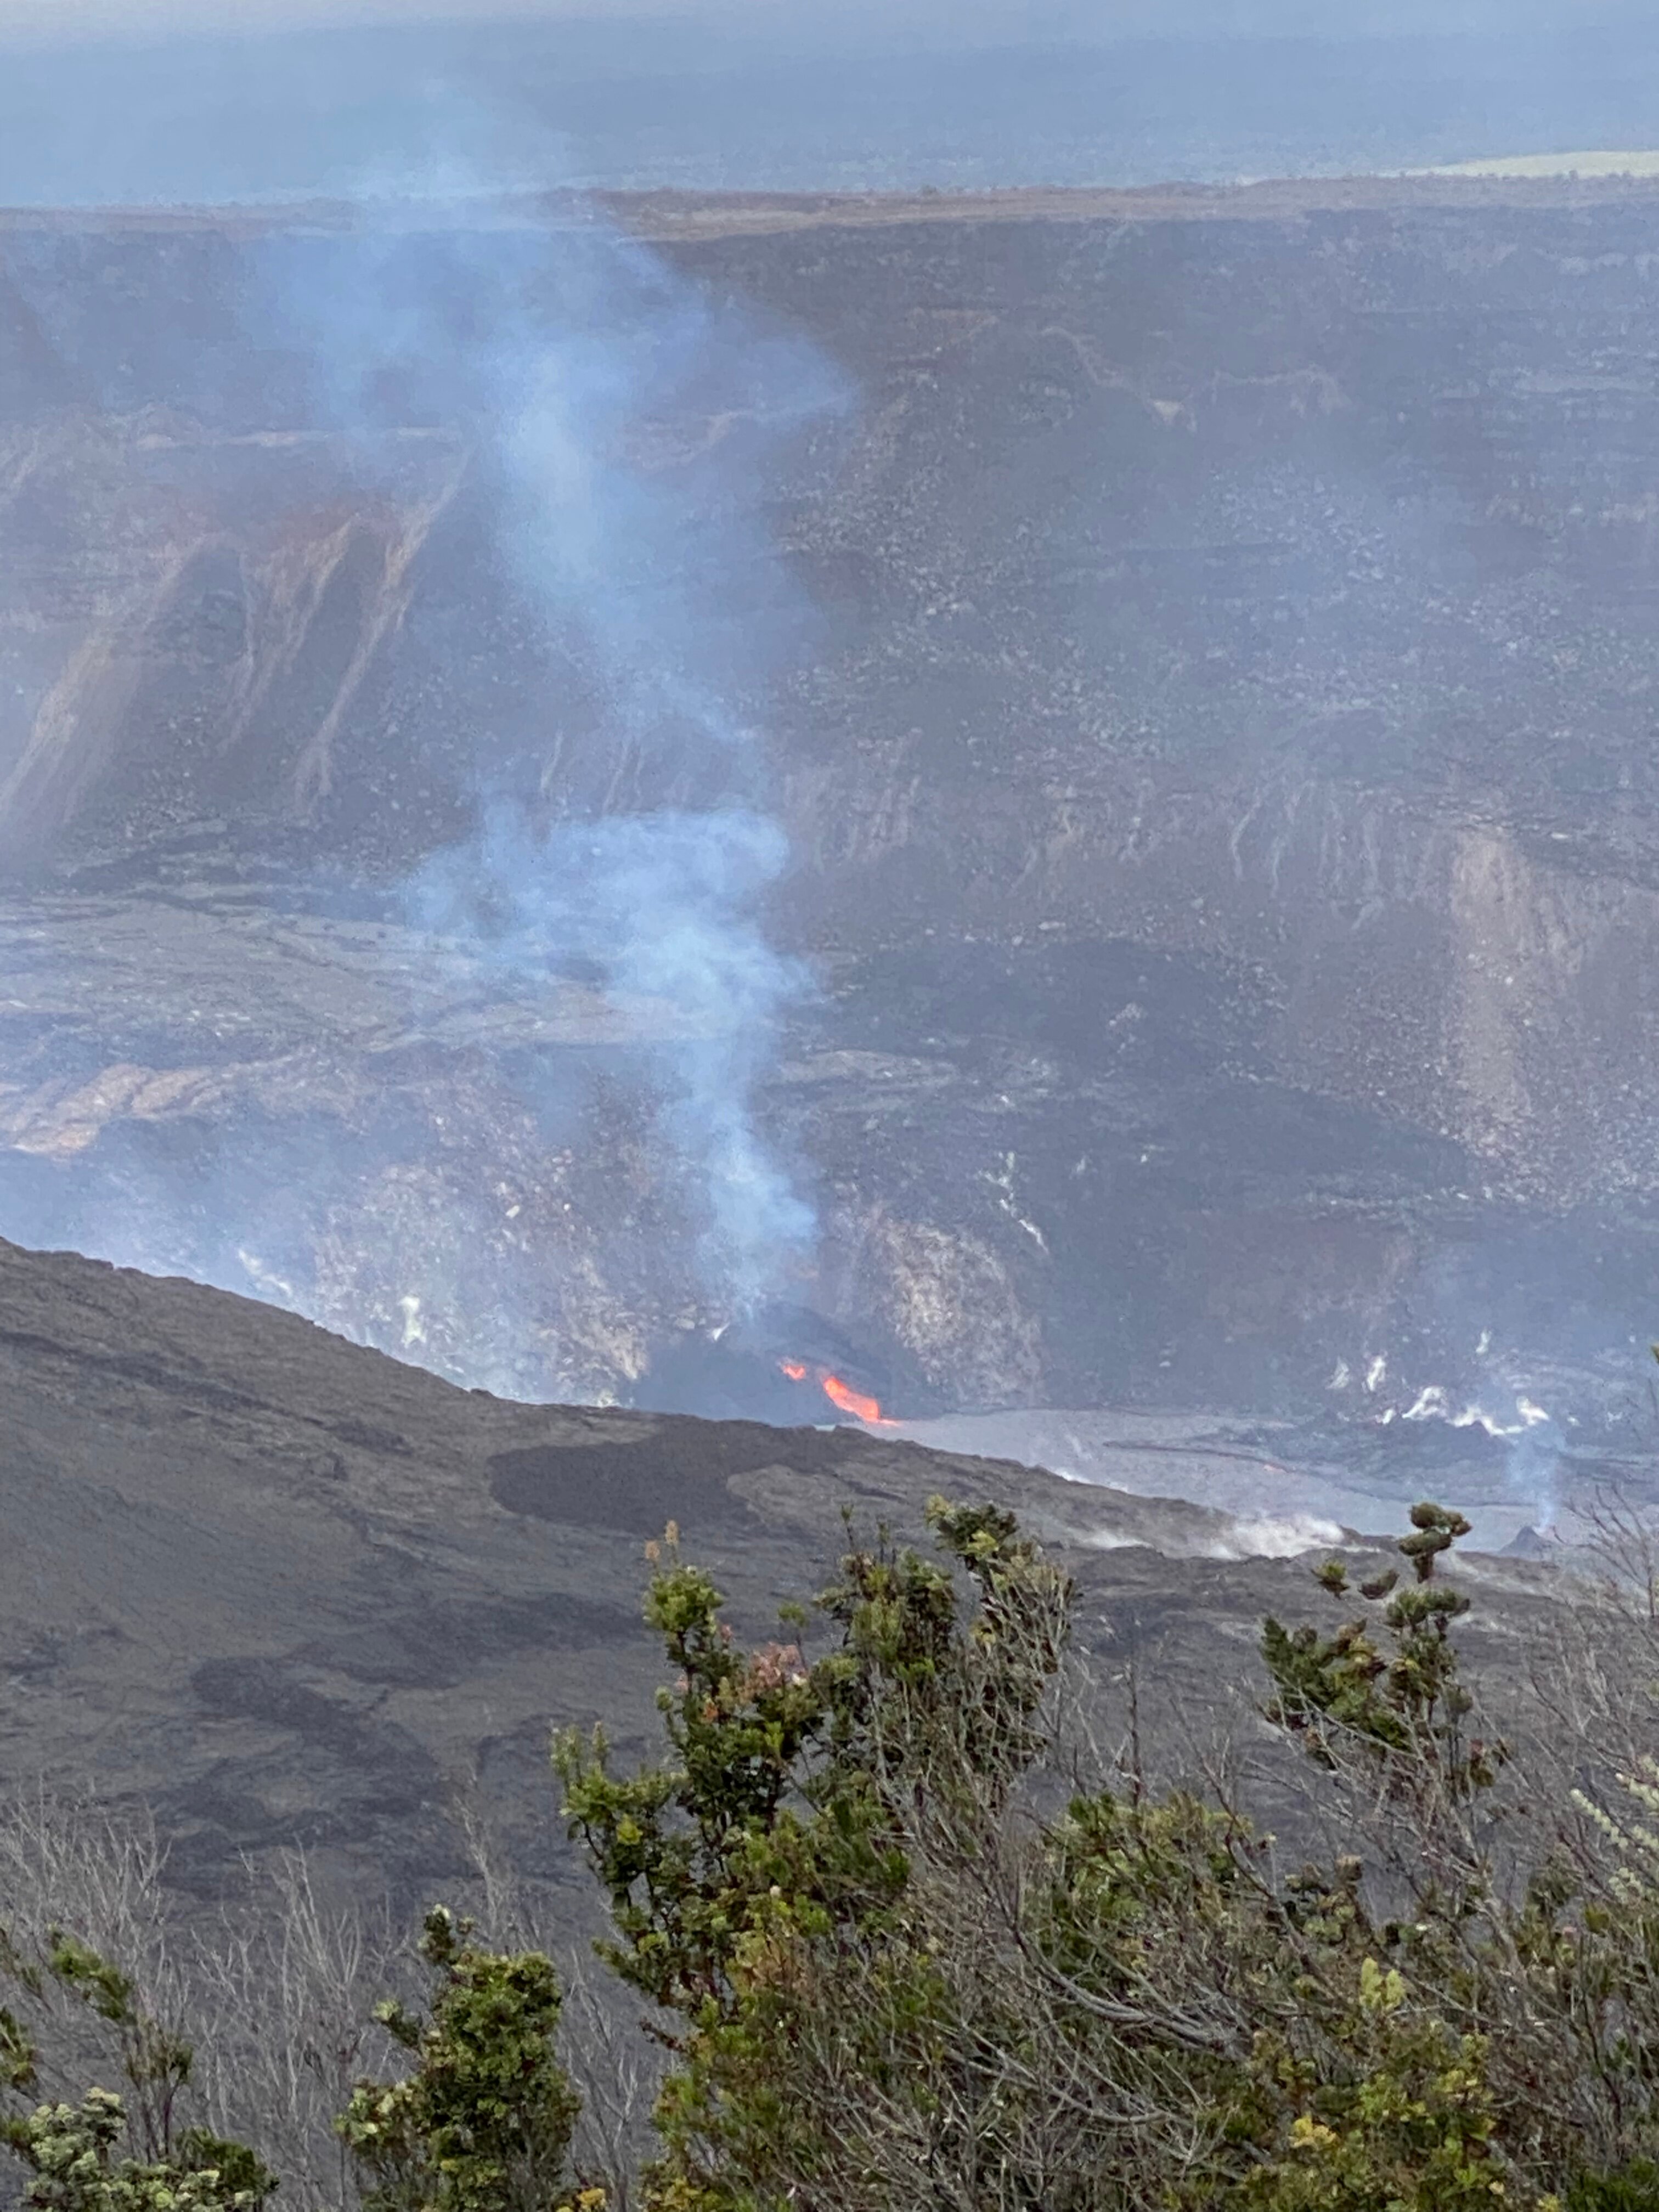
(890,1973)
(902,1947)
(482,2121)
(74,2153)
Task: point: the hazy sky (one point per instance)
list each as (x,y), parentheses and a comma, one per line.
(812,22)
(793,95)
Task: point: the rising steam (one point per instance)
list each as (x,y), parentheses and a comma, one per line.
(603,427)
(574,355)
(664,907)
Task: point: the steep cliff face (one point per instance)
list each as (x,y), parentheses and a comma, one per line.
(191,618)
(1219,763)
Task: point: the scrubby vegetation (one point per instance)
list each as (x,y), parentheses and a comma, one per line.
(900,1938)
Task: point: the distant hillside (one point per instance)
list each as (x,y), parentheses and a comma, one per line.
(1599,164)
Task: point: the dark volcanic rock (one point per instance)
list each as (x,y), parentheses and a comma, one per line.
(286,1589)
(635,1488)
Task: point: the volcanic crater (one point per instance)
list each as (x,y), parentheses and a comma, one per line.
(1214,740)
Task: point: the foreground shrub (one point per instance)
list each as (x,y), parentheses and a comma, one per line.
(110,2151)
(483,2120)
(903,1944)
(900,1959)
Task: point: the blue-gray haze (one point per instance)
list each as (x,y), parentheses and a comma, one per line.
(687,102)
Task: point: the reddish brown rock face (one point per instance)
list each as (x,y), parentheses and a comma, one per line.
(1217,763)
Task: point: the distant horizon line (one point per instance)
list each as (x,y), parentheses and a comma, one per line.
(678,206)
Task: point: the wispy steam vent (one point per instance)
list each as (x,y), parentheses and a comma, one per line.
(621,838)
(663,908)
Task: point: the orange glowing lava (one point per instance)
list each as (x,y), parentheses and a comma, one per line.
(867,1410)
(840,1395)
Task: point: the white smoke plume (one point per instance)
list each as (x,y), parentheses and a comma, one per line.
(569,349)
(617,423)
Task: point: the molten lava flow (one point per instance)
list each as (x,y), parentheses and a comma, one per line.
(867,1410)
(840,1395)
